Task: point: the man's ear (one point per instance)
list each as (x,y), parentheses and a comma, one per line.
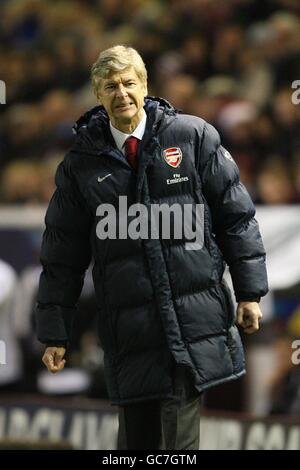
(145,89)
(98,97)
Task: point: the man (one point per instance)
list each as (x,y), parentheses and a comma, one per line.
(166,320)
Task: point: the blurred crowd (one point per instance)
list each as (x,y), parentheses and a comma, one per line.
(232,63)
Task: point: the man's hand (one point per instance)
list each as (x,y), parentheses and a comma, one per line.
(248,316)
(53,359)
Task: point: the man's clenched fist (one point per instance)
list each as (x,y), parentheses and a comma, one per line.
(248,316)
(53,358)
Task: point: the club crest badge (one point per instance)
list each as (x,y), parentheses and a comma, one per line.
(173,156)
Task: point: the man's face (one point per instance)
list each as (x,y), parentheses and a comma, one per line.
(122,95)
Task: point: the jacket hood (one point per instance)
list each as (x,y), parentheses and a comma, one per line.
(92,127)
(153,104)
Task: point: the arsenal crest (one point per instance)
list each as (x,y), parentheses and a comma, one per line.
(173,156)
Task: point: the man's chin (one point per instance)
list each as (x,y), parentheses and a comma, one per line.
(126,116)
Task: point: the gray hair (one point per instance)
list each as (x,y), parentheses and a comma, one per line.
(116,59)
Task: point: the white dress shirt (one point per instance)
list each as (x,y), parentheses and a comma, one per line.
(120,136)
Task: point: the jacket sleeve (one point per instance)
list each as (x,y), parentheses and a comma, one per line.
(65,256)
(236,230)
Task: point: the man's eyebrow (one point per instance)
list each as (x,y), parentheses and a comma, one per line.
(116,81)
(111,82)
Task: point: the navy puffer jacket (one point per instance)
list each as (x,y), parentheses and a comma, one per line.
(159,303)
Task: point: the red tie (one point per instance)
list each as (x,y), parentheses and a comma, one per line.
(131,146)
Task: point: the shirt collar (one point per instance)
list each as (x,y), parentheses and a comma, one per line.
(120,136)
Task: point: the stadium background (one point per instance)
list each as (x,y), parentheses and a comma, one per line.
(234,64)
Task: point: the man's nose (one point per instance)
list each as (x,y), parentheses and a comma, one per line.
(121,91)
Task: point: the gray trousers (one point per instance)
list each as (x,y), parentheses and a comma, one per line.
(171,424)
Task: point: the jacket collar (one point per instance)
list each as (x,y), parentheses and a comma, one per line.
(94,135)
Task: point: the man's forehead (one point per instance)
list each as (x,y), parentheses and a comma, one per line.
(122,75)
